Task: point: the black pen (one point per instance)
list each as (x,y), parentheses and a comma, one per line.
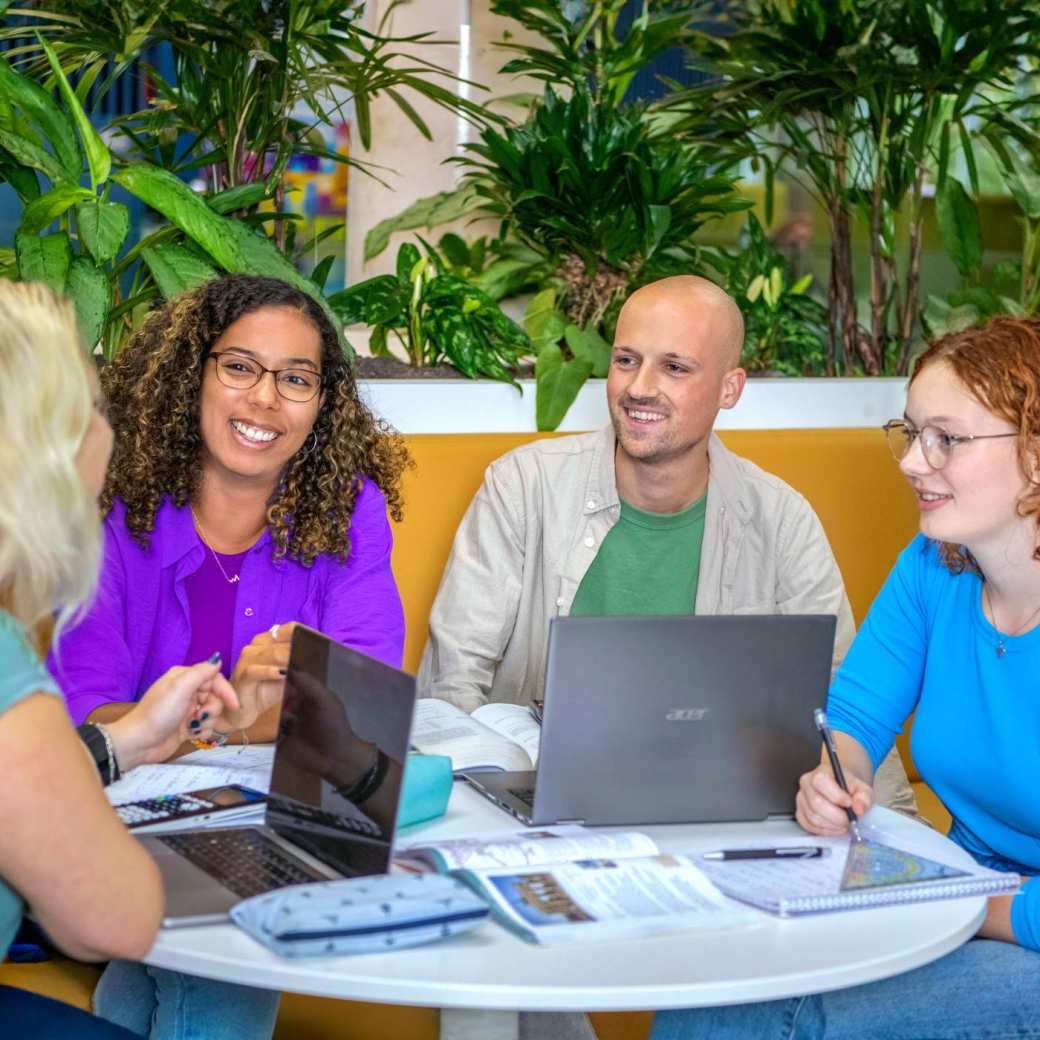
(820,718)
(786,852)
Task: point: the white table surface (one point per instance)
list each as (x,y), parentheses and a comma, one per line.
(490,968)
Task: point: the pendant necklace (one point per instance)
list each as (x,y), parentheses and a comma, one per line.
(216,558)
(1001,647)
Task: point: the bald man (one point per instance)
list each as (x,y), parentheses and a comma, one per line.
(652,515)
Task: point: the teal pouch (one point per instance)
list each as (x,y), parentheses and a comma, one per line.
(425,789)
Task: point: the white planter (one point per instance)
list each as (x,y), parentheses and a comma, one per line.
(482,406)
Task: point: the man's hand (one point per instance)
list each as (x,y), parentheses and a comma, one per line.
(258,676)
(156,727)
(821,803)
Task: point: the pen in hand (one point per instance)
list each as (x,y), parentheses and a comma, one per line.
(786,852)
(820,718)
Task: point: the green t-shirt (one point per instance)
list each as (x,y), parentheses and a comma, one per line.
(21,674)
(648,564)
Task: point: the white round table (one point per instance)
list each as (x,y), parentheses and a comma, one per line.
(493,970)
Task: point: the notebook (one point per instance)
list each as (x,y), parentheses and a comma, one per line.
(883,870)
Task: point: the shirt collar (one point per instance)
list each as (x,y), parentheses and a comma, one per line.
(174,533)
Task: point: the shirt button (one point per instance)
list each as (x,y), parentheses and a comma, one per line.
(248,612)
(591,504)
(559,601)
(590,541)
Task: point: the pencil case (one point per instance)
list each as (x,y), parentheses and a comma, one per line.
(360,915)
(425,788)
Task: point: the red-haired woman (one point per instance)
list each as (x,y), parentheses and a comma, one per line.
(954,636)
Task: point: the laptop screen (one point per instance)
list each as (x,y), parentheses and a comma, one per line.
(339,760)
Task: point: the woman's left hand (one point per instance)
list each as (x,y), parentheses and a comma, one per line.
(159,723)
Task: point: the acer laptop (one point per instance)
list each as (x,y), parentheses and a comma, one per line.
(344,732)
(673,720)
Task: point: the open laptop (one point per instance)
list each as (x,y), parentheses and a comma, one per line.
(344,730)
(673,720)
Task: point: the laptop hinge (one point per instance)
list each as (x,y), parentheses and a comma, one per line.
(562,823)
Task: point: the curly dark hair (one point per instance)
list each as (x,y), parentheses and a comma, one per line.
(999,364)
(153,405)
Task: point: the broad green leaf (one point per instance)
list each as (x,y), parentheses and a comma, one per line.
(557,383)
(590,346)
(88,288)
(542,321)
(1023,181)
(240,197)
(39,107)
(320,274)
(382,300)
(455,249)
(8,264)
(29,153)
(801,285)
(22,179)
(103,227)
(758,283)
(175,268)
(40,213)
(660,219)
(430,212)
(939,318)
(958,220)
(99,158)
(44,258)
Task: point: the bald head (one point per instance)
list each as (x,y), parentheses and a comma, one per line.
(686,307)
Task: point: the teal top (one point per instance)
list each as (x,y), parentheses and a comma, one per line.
(649,563)
(21,674)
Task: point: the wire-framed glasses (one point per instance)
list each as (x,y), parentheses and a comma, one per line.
(936,443)
(242,373)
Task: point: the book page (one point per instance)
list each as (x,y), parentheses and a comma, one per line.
(249,766)
(439,728)
(606,898)
(514,722)
(529,848)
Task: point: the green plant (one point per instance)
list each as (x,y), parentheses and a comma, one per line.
(436,316)
(861,101)
(785,328)
(85,256)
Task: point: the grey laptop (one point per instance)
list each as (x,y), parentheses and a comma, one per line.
(673,720)
(344,732)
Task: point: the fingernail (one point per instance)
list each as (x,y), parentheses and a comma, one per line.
(195,724)
(204,716)
(283,671)
(214,658)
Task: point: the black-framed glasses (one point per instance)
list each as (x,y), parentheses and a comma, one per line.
(936,443)
(242,373)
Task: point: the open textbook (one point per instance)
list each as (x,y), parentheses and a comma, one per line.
(880,870)
(565,884)
(496,737)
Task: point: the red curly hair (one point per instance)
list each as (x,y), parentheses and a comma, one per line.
(999,365)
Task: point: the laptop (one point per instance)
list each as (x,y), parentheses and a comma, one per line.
(344,731)
(673,720)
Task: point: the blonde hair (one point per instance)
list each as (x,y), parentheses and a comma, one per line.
(49,524)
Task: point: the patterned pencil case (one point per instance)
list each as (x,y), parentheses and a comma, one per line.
(360,915)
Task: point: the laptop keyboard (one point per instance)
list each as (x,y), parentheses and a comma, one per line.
(242,859)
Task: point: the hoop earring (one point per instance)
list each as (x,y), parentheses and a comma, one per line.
(312,445)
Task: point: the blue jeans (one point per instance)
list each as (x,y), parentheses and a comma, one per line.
(167,1005)
(985,990)
(26,1014)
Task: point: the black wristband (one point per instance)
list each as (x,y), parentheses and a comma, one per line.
(99,744)
(368,783)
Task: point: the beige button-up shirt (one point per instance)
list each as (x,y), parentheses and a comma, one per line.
(533,529)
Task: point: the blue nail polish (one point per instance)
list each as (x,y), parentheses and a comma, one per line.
(214,658)
(195,724)
(205,715)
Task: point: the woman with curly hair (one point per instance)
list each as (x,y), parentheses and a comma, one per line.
(248,490)
(954,637)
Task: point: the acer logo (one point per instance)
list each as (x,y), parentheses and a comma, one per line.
(686,714)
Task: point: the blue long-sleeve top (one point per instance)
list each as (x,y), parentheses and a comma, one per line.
(926,645)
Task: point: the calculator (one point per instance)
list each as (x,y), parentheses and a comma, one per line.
(195,807)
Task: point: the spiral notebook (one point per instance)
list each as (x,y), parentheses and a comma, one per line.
(851,876)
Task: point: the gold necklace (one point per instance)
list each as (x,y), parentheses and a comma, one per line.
(216,558)
(1001,648)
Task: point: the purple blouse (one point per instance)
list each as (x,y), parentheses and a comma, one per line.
(211,607)
(139,624)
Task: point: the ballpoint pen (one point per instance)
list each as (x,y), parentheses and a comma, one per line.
(784,852)
(820,718)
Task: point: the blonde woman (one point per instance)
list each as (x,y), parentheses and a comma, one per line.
(63,851)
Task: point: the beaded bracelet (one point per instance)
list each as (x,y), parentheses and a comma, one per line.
(368,783)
